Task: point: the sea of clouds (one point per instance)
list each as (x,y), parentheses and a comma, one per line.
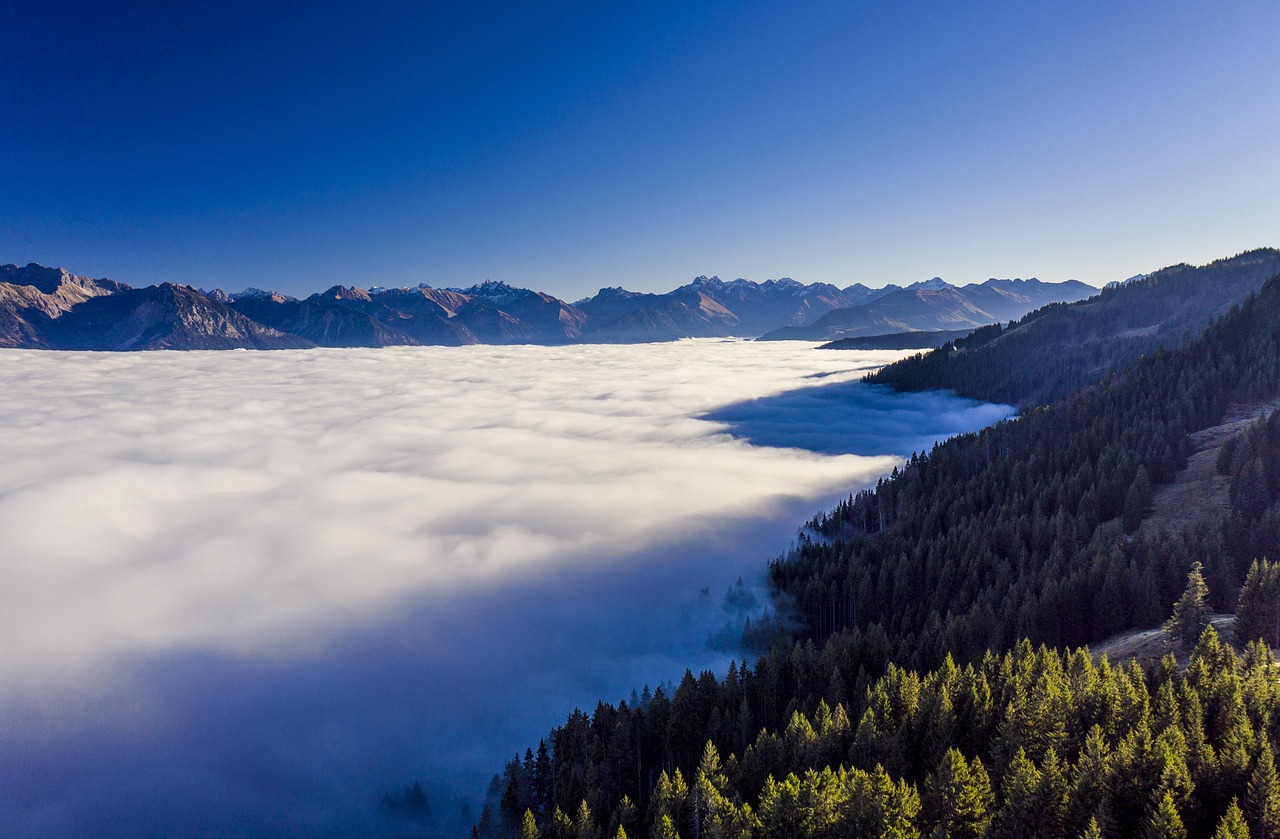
(246,593)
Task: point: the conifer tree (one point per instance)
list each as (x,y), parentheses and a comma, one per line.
(529,826)
(1137,499)
(1191,611)
(664,829)
(626,814)
(1017,817)
(1258,606)
(1165,822)
(959,797)
(584,826)
(707,793)
(1232,825)
(561,826)
(669,798)
(1262,802)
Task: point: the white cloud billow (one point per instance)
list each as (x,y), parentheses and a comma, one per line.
(513,519)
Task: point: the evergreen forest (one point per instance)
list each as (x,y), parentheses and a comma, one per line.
(937,679)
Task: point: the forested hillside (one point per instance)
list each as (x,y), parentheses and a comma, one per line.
(897,714)
(1015,531)
(1027,743)
(1058,349)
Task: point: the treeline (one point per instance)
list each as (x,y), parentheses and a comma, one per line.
(1028,743)
(1059,349)
(1017,531)
(1252,462)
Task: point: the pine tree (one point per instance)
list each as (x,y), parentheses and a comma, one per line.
(1137,499)
(664,829)
(626,814)
(706,795)
(584,826)
(1091,830)
(561,826)
(1262,802)
(1232,825)
(1165,822)
(1258,606)
(1191,611)
(1016,817)
(959,797)
(669,798)
(529,827)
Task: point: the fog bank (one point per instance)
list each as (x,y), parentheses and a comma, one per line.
(246,593)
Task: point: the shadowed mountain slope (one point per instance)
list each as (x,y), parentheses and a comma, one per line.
(1055,350)
(162,317)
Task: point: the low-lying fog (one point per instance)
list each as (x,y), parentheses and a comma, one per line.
(248,593)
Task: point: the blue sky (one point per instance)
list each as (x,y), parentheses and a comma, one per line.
(569,146)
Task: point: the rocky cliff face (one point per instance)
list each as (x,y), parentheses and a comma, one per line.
(32,297)
(164,317)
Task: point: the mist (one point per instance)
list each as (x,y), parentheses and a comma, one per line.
(248,593)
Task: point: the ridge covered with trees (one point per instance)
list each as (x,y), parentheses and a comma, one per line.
(896,713)
(1056,350)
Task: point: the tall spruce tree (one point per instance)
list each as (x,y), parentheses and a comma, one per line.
(1262,802)
(1258,607)
(1191,611)
(1233,824)
(1165,822)
(959,798)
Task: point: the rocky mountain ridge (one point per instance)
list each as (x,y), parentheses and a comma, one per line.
(935,305)
(50,308)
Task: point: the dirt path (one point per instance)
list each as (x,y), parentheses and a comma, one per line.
(1147,645)
(1198,493)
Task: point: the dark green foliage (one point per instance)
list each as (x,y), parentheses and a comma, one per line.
(958,798)
(1232,825)
(1008,533)
(1262,801)
(1137,499)
(1190,615)
(1044,744)
(1165,822)
(1258,607)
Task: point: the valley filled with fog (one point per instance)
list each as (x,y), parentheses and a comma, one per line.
(268,587)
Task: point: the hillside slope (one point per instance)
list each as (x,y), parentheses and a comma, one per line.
(1056,350)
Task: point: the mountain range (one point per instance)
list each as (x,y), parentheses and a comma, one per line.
(936,306)
(51,308)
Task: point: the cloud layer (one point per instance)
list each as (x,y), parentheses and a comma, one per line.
(262,585)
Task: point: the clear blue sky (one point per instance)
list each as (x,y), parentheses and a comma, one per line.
(568,146)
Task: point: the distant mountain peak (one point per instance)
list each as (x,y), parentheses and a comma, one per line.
(493,291)
(341,292)
(252,293)
(935,284)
